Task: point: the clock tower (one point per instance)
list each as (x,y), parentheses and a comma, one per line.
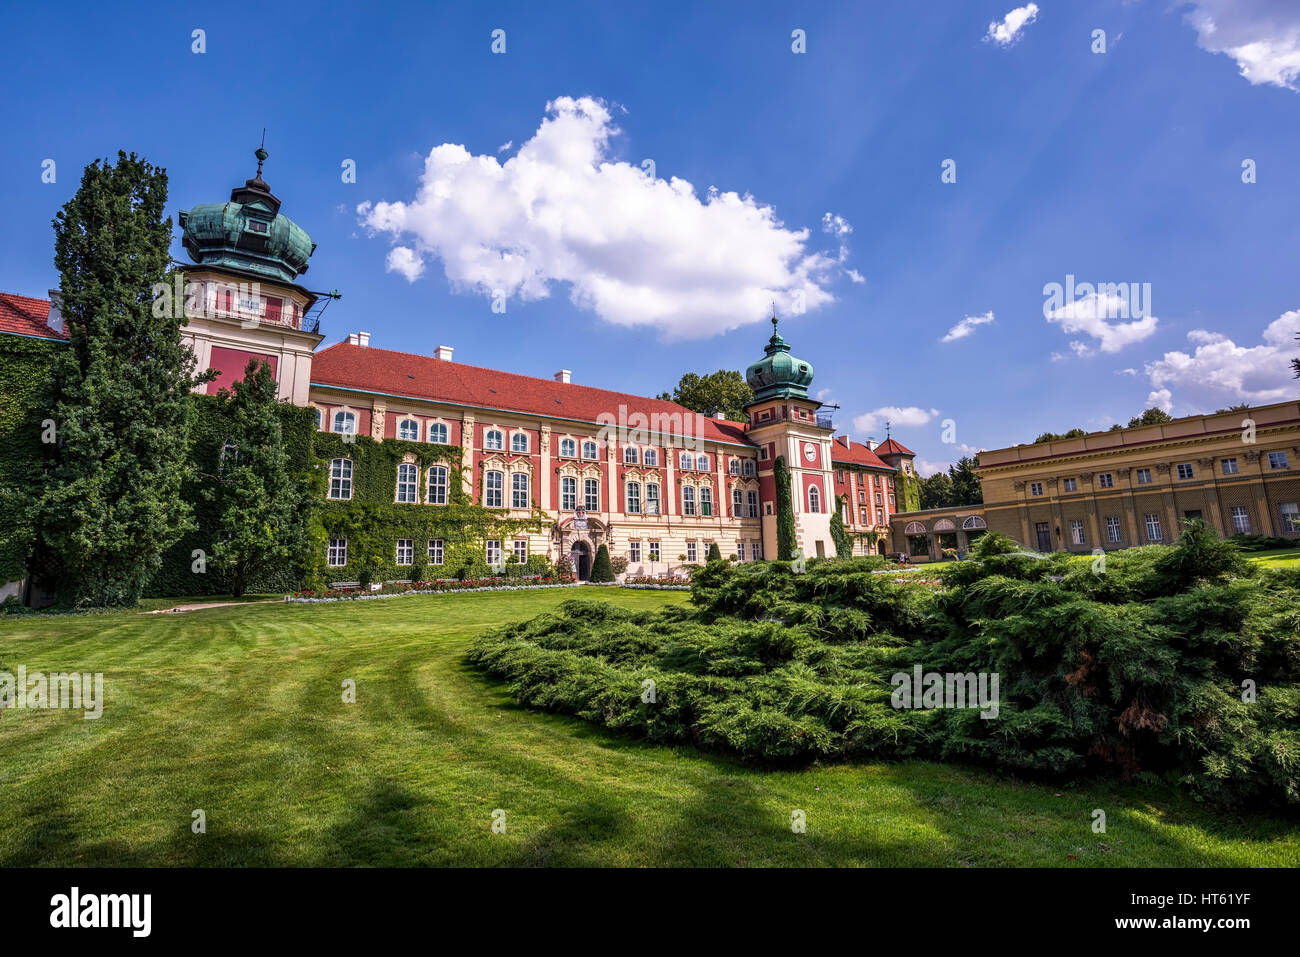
(785,424)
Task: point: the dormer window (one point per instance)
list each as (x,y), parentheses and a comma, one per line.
(258,226)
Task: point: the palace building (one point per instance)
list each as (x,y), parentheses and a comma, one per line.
(650,479)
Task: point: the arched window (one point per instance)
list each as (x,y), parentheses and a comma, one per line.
(633,497)
(629,455)
(229,453)
(320,420)
(519,490)
(706,501)
(345,423)
(341,478)
(519,442)
(651,457)
(437,485)
(437,433)
(408,429)
(492,439)
(568,493)
(814,499)
(568,448)
(702,463)
(652,498)
(733,467)
(688,500)
(406,481)
(687,461)
(749,467)
(492,489)
(588,450)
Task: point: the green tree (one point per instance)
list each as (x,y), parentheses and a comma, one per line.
(1151,416)
(966,488)
(1055,437)
(1295,363)
(724,391)
(715,553)
(839,535)
(601,569)
(262,508)
(110,501)
(937,491)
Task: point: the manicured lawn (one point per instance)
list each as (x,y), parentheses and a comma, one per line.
(238,711)
(1277,558)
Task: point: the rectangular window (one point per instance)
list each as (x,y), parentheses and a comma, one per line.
(1240,520)
(1076,532)
(337,556)
(652,498)
(863,516)
(1112,529)
(406,480)
(652,550)
(691,553)
(1106,480)
(1185,470)
(568,494)
(633,497)
(519,490)
(1277,460)
(405,551)
(520,546)
(435,551)
(341,478)
(755,551)
(629,455)
(751,503)
(1290,517)
(591,494)
(493,552)
(706,502)
(1153,526)
(634,551)
(1035,488)
(738,502)
(437,490)
(688,500)
(1071,485)
(862,497)
(1230,467)
(1144,476)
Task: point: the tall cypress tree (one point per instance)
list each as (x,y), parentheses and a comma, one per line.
(785,530)
(262,510)
(110,503)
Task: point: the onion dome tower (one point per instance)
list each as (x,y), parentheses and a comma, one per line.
(779,375)
(242,299)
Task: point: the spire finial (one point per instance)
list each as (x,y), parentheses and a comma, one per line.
(886,430)
(261,154)
(773,318)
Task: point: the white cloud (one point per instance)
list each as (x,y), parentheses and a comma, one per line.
(836,225)
(1056,356)
(1080,349)
(1162,398)
(967,326)
(925,468)
(403,260)
(1219,369)
(855,276)
(505,146)
(1126,372)
(1263,36)
(874,421)
(1007,31)
(1096,315)
(634,249)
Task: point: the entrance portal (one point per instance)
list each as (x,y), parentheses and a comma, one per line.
(580,555)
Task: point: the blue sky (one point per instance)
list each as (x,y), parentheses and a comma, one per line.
(1122,166)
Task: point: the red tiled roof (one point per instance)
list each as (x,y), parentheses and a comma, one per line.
(893,447)
(856,454)
(423,377)
(26,316)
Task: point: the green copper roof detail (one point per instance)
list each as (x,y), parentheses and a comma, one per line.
(247,234)
(779,375)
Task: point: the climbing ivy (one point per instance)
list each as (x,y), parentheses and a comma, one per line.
(843,541)
(785,533)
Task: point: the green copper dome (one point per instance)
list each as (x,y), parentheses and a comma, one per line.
(780,375)
(248,234)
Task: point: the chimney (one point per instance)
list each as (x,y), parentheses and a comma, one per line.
(354,339)
(563,376)
(844,441)
(444,353)
(872,443)
(364,338)
(55,320)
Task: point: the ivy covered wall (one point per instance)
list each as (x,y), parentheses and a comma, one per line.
(24,370)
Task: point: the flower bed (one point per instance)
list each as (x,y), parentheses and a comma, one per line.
(664,584)
(397,589)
